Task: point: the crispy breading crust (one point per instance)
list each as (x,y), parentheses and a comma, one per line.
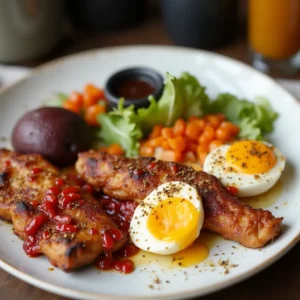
(66,251)
(134,179)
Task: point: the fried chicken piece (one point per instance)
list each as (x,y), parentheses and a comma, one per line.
(14,185)
(134,179)
(24,182)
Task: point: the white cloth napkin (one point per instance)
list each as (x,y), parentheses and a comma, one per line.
(10,74)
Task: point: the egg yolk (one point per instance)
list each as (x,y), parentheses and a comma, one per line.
(174,219)
(250,157)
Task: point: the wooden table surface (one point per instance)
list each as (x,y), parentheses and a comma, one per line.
(280,281)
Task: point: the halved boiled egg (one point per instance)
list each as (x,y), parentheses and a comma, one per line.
(252,167)
(168,220)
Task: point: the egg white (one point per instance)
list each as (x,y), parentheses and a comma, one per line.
(247,184)
(140,234)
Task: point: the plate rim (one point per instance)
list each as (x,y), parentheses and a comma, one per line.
(94,51)
(77,294)
(191,292)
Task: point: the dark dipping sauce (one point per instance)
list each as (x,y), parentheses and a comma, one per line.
(134,85)
(134,89)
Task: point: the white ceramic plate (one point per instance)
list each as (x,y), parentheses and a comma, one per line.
(218,74)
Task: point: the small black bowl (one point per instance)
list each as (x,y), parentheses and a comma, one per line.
(150,80)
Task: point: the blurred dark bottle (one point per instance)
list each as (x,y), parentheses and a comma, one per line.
(201,23)
(99,15)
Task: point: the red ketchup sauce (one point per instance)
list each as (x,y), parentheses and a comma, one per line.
(61,196)
(232,190)
(56,198)
(121,212)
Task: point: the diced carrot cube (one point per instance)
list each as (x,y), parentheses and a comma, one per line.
(179,127)
(177,144)
(115,149)
(156,142)
(167,132)
(156,131)
(214,144)
(192,131)
(171,155)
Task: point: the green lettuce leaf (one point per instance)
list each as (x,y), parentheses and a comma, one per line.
(266,114)
(181,98)
(194,97)
(250,130)
(58,99)
(254,118)
(121,126)
(167,110)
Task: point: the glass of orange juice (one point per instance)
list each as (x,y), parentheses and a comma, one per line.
(274,35)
